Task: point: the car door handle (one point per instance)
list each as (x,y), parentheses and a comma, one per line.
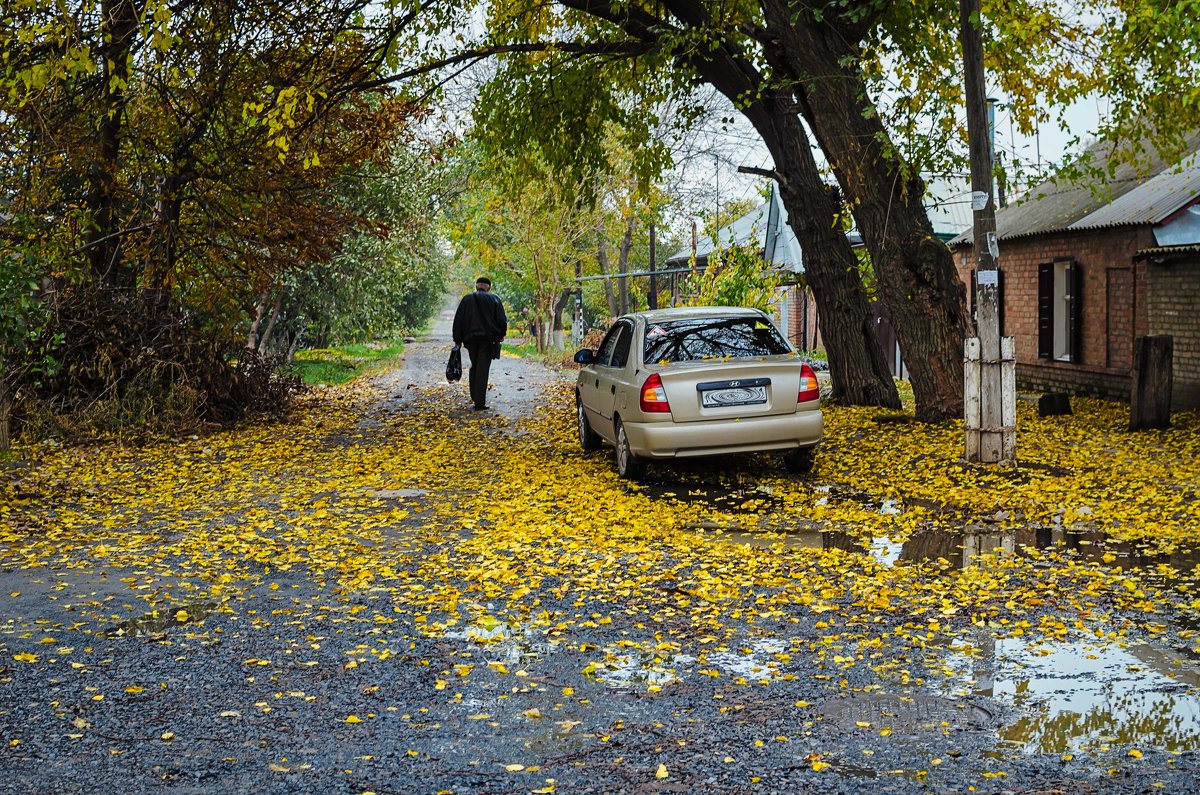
(597,383)
(613,389)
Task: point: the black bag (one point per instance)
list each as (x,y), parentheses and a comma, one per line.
(454,366)
(496,349)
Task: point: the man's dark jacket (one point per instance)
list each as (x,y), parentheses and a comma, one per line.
(479,316)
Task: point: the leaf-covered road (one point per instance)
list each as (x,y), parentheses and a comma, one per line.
(390,593)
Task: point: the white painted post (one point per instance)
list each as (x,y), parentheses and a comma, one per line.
(972,403)
(1008,398)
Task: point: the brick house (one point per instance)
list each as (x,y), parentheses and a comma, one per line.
(1082,274)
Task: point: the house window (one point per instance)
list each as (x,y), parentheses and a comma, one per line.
(1060,310)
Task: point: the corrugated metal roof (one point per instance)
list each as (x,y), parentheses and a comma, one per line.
(1163,252)
(1152,202)
(1055,206)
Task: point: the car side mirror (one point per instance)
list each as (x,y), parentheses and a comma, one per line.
(585,356)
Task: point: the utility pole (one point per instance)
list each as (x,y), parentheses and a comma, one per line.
(990,387)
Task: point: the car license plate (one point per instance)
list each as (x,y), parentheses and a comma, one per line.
(733,396)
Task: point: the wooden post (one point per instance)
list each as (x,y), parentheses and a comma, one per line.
(1150,395)
(1008,398)
(971,396)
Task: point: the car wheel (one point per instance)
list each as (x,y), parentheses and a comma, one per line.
(800,461)
(589,440)
(629,466)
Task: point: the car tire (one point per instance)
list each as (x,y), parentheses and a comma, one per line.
(589,440)
(629,466)
(800,461)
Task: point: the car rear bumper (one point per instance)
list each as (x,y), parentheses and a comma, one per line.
(717,437)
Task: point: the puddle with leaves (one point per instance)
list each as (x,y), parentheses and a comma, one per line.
(158,621)
(1073,697)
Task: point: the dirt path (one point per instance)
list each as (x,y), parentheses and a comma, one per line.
(515,382)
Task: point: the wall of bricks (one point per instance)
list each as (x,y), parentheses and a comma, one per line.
(1111,313)
(1173,307)
(798,320)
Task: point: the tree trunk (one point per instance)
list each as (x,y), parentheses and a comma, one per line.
(610,297)
(6,404)
(560,307)
(915,271)
(858,368)
(295,344)
(260,309)
(118,25)
(857,365)
(623,264)
(264,344)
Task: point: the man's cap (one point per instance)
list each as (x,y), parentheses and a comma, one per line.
(484,280)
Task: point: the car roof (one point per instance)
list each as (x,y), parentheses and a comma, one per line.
(692,312)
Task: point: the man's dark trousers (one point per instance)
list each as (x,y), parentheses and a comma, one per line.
(480,351)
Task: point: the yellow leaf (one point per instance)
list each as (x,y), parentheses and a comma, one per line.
(514,768)
(1135,753)
(479,716)
(135,689)
(24,656)
(661,772)
(168,736)
(353,719)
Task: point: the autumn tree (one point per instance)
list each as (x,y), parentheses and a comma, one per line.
(633,54)
(178,160)
(516,223)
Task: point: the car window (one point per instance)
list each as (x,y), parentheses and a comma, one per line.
(712,337)
(621,351)
(609,345)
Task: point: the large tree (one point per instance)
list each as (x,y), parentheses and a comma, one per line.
(182,157)
(593,90)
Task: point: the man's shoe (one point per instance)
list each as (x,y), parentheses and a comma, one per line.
(479,408)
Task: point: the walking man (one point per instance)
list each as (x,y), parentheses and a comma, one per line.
(480,324)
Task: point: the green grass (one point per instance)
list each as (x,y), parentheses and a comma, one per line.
(527,347)
(343,364)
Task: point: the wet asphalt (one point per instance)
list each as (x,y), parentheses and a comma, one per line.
(261,698)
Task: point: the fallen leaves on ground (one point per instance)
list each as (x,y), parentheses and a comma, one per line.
(508,531)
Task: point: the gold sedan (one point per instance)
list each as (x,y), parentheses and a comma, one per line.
(697,381)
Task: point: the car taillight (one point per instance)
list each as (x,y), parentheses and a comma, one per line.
(809,388)
(654,396)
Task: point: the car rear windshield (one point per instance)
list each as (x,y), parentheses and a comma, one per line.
(708,338)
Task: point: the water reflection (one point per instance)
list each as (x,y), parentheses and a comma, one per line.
(158,621)
(974,546)
(1073,696)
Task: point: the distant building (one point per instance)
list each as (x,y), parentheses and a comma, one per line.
(766,228)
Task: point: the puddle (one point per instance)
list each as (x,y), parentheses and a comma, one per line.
(742,496)
(1075,696)
(399,494)
(159,621)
